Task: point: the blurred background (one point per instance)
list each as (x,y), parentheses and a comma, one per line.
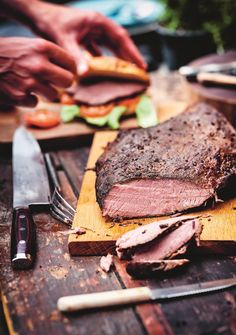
(172,32)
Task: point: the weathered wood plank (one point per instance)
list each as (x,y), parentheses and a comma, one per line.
(150,314)
(31,296)
(214,313)
(3,324)
(209,314)
(73,161)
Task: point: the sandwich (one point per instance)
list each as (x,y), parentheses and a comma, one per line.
(111,88)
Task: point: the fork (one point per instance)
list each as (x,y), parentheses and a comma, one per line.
(59,207)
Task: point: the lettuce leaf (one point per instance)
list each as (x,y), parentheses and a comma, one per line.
(68,113)
(114,116)
(111,119)
(146,113)
(97,121)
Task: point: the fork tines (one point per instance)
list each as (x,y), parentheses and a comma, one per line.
(60,208)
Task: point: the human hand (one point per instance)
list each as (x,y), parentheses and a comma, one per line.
(30,66)
(70,27)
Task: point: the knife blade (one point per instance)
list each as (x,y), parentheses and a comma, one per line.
(139,294)
(30,188)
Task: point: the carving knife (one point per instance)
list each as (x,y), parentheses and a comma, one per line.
(139,294)
(30,190)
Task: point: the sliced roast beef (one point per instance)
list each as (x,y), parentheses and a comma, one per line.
(161,252)
(149,232)
(168,245)
(181,251)
(178,165)
(139,269)
(158,240)
(105,90)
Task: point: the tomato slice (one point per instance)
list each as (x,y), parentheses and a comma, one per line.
(95,111)
(42,118)
(66,99)
(130,103)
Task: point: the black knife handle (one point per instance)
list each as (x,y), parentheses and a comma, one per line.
(23,239)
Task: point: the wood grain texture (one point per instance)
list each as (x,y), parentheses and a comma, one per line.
(30,297)
(101,234)
(150,313)
(184,316)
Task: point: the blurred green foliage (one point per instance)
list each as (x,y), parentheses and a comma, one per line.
(215,16)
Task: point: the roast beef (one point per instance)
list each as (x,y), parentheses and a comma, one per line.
(169,245)
(158,240)
(101,92)
(150,253)
(139,269)
(149,232)
(178,165)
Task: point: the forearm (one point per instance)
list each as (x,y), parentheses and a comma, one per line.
(32,13)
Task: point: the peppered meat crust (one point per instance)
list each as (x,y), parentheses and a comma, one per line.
(198,146)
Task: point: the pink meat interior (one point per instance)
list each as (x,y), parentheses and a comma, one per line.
(153,197)
(166,245)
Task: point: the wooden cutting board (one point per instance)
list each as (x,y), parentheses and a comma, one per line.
(219,230)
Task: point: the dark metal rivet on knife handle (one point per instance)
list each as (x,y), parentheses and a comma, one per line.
(23,239)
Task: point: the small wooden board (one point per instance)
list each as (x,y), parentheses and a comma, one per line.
(72,134)
(10,120)
(101,235)
(222,98)
(165,92)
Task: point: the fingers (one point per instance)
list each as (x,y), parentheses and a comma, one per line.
(29,100)
(34,67)
(45,90)
(129,52)
(49,72)
(93,49)
(56,55)
(122,45)
(22,92)
(13,97)
(72,46)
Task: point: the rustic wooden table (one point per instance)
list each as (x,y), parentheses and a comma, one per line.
(30,296)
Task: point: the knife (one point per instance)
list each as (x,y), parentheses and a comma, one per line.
(139,294)
(216,78)
(191,72)
(30,189)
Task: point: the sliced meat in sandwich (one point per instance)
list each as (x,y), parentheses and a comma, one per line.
(109,89)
